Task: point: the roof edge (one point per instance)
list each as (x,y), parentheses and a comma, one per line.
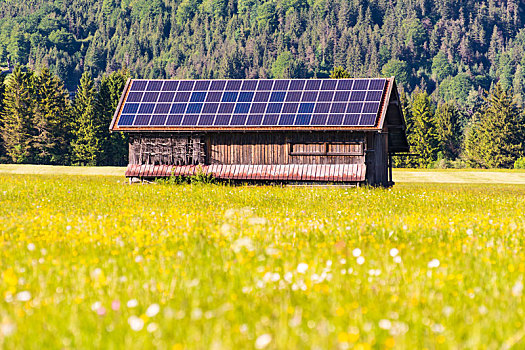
(119,106)
(382,117)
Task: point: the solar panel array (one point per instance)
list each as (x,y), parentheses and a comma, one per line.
(252,103)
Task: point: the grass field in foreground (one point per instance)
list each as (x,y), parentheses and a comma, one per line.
(91,263)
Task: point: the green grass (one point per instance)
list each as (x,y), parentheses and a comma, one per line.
(400,175)
(89,263)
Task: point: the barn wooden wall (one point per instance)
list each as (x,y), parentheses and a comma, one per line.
(276,148)
(166,149)
(265,148)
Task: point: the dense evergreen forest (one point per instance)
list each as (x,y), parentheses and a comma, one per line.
(447,56)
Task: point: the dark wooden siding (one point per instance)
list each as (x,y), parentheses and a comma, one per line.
(285,148)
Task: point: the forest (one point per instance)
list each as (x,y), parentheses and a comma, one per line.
(460,65)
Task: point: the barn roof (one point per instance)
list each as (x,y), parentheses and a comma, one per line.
(261,105)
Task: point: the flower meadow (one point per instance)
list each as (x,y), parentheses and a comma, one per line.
(94,263)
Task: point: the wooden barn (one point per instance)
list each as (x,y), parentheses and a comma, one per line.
(293,131)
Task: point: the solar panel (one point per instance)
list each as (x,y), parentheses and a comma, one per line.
(225,103)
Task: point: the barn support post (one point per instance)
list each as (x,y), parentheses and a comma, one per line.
(390,178)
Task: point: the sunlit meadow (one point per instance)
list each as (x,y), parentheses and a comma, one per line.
(94,263)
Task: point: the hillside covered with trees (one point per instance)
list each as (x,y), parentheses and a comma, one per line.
(447,56)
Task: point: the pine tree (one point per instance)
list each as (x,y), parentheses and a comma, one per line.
(17,127)
(51,120)
(496,137)
(339,73)
(108,96)
(86,145)
(448,129)
(424,138)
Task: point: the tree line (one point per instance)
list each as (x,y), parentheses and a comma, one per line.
(40,124)
(443,134)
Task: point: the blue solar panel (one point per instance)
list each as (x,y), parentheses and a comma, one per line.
(130,108)
(245,97)
(258,108)
(290,107)
(206,119)
(242,108)
(162,108)
(358,96)
(190,119)
(335,119)
(201,85)
(238,119)
(135,97)
(155,85)
(368,119)
(146,108)
(174,119)
(222,120)
(341,96)
(354,108)
(265,85)
(178,108)
(319,119)
(277,96)
(198,97)
(377,84)
(226,108)
(329,84)
(217,85)
(325,96)
(281,84)
(170,85)
(322,108)
(142,120)
(361,84)
(248,85)
(254,119)
(182,96)
(338,108)
(303,119)
(294,96)
(158,120)
(370,107)
(270,119)
(229,97)
(166,96)
(274,108)
(287,119)
(312,84)
(345,84)
(233,85)
(351,119)
(261,97)
(309,96)
(186,85)
(210,108)
(150,97)
(139,85)
(126,119)
(194,108)
(214,97)
(297,85)
(306,107)
(284,102)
